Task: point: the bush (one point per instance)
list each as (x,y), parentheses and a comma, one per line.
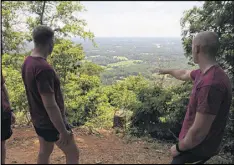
(22,118)
(161,112)
(103,118)
(228,141)
(14,82)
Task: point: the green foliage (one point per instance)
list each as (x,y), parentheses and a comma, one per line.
(66,53)
(90,68)
(21,118)
(214,16)
(123,95)
(86,103)
(65,57)
(12,37)
(161,111)
(14,83)
(102,116)
(63,18)
(217,16)
(60,16)
(156,108)
(135,83)
(124,63)
(228,137)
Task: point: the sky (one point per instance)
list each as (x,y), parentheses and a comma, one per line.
(135,18)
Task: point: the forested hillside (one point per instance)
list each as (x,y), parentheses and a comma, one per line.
(102,76)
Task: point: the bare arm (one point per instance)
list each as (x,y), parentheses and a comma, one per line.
(183,75)
(45,84)
(198,132)
(53,112)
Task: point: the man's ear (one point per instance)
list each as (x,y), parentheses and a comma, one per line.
(197,49)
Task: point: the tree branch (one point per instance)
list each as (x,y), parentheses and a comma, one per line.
(43,10)
(52,19)
(173,134)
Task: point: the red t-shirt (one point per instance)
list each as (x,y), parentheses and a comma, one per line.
(39,77)
(211,94)
(5,104)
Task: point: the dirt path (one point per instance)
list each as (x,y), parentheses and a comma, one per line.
(94,149)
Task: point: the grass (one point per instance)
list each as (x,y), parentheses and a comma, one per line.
(124,63)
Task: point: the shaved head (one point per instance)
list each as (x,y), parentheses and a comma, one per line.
(208,43)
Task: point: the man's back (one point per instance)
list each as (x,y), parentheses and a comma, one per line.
(45,100)
(218,80)
(34,70)
(215,79)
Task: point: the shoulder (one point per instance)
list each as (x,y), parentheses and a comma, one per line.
(38,65)
(195,73)
(215,79)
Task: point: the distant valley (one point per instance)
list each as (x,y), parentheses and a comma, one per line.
(122,57)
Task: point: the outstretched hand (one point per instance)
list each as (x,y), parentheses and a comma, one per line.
(162,71)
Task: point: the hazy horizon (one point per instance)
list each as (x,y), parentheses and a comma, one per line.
(135,19)
(130,19)
(131,37)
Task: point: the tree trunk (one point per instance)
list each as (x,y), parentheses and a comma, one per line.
(119,121)
(42,12)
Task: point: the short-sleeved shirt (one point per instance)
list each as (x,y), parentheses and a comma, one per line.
(5,104)
(40,78)
(211,94)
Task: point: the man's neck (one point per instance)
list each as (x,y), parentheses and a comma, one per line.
(38,53)
(206,64)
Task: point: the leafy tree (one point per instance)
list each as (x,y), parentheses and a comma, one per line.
(217,16)
(12,35)
(86,101)
(136,83)
(123,95)
(63,18)
(64,58)
(90,68)
(60,16)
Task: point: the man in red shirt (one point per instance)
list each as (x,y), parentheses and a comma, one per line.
(46,104)
(209,103)
(8,118)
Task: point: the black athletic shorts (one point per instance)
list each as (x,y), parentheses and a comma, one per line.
(189,158)
(6,131)
(50,135)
